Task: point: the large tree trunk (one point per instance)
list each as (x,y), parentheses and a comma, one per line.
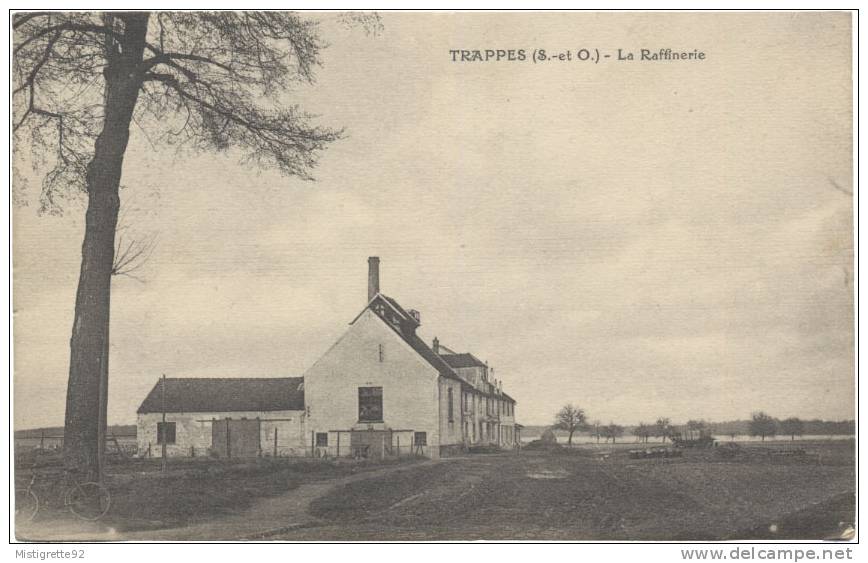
(88,368)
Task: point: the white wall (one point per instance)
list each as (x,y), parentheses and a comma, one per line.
(194,429)
(410,391)
(450,432)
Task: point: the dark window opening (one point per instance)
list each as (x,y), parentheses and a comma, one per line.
(420,438)
(166,429)
(370,404)
(322,439)
(451,408)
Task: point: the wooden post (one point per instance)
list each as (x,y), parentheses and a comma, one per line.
(149,450)
(42,440)
(338,452)
(163,465)
(275,441)
(398,447)
(120,450)
(228,441)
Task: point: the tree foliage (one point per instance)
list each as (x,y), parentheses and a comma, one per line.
(207,80)
(792,427)
(762,425)
(612,431)
(662,428)
(642,431)
(570,419)
(203,80)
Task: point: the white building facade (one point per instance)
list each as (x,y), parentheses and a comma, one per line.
(378,391)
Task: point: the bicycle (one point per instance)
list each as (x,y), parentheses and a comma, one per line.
(87,501)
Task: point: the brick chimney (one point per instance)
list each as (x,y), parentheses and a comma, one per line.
(373,277)
(436,345)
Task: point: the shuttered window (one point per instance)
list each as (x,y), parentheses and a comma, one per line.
(166,429)
(370,404)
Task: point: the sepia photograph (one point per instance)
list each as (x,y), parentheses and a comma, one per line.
(433,276)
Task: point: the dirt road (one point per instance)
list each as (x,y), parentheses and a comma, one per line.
(541,496)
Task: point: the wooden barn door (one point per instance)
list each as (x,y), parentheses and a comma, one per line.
(244,438)
(235,438)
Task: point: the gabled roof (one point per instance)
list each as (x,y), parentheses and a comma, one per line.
(400,309)
(407,332)
(405,317)
(462,360)
(234,394)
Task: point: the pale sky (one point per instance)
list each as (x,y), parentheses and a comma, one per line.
(641,239)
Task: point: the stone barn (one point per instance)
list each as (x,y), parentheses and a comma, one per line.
(223,417)
(379,391)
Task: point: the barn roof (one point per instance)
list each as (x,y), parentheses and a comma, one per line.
(231,394)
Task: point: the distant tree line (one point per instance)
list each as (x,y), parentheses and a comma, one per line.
(572,420)
(801,427)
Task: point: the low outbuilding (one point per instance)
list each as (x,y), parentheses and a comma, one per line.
(223,417)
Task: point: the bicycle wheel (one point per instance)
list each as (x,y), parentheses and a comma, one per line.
(88,501)
(26,504)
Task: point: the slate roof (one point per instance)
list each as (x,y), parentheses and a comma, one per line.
(429,356)
(400,309)
(408,334)
(236,394)
(462,360)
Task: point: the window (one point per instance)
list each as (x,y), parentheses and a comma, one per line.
(451,409)
(370,404)
(322,439)
(420,438)
(166,429)
(382,352)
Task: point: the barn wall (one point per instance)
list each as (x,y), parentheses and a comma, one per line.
(194,429)
(410,390)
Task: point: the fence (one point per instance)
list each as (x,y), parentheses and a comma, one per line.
(365,444)
(45,441)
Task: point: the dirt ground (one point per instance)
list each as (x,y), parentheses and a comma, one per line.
(587,493)
(583,495)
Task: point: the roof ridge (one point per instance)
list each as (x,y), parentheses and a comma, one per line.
(225,394)
(234,377)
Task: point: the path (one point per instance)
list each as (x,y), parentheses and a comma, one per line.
(268,517)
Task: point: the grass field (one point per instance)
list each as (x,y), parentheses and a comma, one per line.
(193,490)
(583,493)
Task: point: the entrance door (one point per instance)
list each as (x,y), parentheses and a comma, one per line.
(235,438)
(371,443)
